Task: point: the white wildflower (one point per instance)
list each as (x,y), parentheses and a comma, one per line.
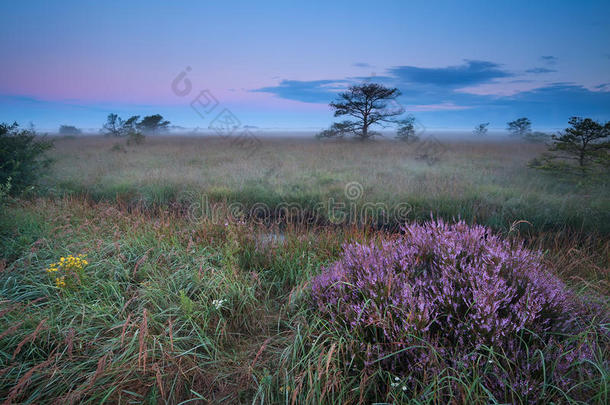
(218,303)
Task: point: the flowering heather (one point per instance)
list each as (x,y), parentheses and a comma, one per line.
(454,296)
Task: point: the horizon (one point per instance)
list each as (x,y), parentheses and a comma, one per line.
(276,68)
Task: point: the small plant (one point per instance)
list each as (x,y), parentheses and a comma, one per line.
(68,271)
(481,129)
(336,130)
(118,147)
(406,130)
(135,137)
(69,130)
(218,303)
(520,127)
(537,137)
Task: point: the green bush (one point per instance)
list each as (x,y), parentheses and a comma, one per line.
(135,137)
(22,156)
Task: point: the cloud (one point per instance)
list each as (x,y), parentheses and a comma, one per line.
(540,70)
(549,60)
(465,94)
(436,107)
(415,82)
(362,65)
(470,73)
(312,91)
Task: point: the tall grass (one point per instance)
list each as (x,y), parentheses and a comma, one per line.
(177,306)
(143,327)
(486,182)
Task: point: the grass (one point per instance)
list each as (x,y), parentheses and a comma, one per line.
(480,181)
(143,325)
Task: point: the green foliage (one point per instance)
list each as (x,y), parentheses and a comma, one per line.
(113,125)
(481,129)
(4,191)
(536,137)
(586,141)
(337,130)
(135,137)
(152,124)
(131,127)
(367,105)
(69,130)
(182,312)
(22,157)
(406,130)
(520,127)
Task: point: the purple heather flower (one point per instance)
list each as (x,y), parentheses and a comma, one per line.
(462,290)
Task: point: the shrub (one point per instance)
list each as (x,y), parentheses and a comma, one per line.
(69,130)
(22,156)
(406,130)
(135,137)
(481,129)
(444,295)
(536,137)
(5,189)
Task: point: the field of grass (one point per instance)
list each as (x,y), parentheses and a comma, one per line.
(487,182)
(181,308)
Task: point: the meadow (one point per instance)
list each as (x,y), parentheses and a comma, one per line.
(175,305)
(483,181)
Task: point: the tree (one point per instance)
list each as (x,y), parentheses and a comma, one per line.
(586,141)
(481,129)
(131,131)
(69,130)
(406,130)
(520,127)
(22,157)
(130,125)
(152,123)
(337,130)
(367,104)
(113,125)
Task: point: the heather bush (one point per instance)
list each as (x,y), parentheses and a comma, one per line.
(452,296)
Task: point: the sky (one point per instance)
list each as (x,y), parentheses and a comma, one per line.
(277,64)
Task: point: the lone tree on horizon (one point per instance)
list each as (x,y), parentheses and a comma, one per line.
(367,105)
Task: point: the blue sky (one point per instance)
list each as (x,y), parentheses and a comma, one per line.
(277,64)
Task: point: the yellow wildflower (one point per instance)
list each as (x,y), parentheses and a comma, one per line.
(60,281)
